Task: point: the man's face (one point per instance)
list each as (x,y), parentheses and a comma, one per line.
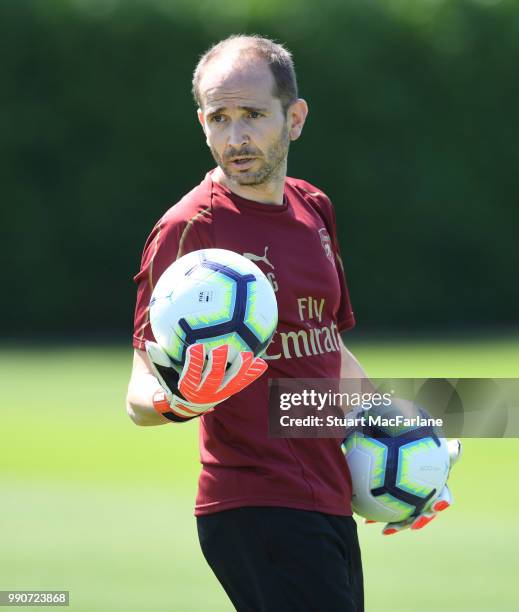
(244,123)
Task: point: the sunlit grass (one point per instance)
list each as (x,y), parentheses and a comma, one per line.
(93,504)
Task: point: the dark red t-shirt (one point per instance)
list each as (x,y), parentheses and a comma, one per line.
(295,245)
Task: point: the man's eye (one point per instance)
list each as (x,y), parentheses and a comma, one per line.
(254,115)
(217,118)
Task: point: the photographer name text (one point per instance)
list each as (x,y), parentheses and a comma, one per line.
(360,421)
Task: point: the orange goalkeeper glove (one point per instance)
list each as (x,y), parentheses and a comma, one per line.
(202,384)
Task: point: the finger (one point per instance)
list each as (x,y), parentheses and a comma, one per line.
(422,520)
(191,375)
(455,449)
(162,367)
(239,367)
(392,528)
(157,354)
(250,369)
(256,369)
(443,501)
(214,370)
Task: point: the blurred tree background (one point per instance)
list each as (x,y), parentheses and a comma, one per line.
(412,132)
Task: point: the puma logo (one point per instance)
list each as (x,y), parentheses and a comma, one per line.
(264,259)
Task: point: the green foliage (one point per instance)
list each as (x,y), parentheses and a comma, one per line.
(413,112)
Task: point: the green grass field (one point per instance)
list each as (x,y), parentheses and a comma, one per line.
(93,504)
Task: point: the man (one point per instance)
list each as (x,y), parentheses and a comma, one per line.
(273,515)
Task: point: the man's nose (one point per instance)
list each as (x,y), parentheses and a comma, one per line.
(238,136)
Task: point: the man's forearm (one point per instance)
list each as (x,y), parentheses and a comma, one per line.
(352,371)
(350,367)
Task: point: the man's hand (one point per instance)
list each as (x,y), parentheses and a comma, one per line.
(202,384)
(442,502)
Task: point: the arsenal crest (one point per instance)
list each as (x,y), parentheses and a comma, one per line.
(326,243)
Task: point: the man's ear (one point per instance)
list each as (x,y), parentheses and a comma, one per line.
(201,120)
(296,117)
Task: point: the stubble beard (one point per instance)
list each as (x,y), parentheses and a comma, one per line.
(272,166)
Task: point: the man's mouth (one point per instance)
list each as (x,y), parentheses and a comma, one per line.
(242,162)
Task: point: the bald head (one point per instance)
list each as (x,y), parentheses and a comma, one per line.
(236,55)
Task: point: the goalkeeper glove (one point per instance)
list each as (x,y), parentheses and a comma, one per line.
(201,384)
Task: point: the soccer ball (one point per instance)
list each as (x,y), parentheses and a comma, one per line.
(396,471)
(214,297)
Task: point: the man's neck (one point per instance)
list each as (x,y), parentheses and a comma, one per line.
(270,193)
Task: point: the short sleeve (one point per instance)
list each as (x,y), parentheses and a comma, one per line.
(172,237)
(345,315)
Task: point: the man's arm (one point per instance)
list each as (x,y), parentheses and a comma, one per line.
(143,385)
(350,367)
(159,394)
(354,378)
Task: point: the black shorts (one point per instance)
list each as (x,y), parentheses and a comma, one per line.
(284,560)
